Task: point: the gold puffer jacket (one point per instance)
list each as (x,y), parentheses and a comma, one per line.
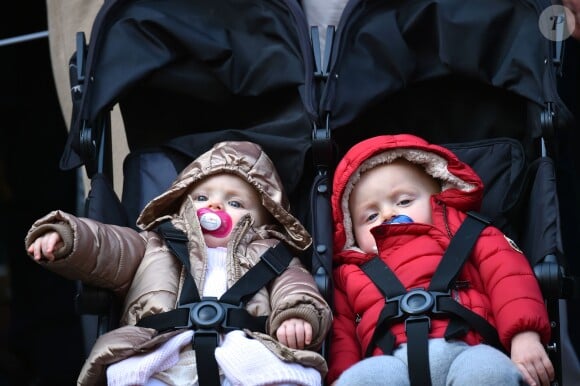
(140,268)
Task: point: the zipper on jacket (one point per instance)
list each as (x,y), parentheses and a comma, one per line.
(446,220)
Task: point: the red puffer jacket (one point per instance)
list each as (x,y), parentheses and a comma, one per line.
(497,281)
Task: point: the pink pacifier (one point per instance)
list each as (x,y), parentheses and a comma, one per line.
(216,223)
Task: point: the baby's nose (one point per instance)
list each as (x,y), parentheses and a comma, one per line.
(216,204)
(388,215)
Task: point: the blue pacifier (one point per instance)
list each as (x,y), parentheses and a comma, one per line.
(400,219)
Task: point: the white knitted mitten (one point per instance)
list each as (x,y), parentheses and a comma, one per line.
(136,370)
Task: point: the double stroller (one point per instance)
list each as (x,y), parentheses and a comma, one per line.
(478,77)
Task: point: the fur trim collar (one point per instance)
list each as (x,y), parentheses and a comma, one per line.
(433,164)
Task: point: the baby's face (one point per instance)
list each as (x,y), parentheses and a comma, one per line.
(387,191)
(231,194)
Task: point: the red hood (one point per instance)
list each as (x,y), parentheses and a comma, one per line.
(462,187)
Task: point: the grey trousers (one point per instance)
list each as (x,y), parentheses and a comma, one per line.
(451,364)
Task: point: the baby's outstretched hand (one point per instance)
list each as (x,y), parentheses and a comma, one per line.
(295,333)
(45,246)
(531,358)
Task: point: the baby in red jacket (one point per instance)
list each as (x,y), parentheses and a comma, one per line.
(385,177)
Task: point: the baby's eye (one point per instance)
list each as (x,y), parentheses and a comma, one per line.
(405,202)
(201,197)
(235,204)
(372,217)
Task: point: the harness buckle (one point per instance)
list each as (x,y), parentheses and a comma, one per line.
(417,302)
(436,296)
(208,313)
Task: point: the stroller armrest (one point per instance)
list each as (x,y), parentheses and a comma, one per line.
(554,282)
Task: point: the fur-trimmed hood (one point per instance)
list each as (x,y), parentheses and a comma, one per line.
(461,187)
(243,159)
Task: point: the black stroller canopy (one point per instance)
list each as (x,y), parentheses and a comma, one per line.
(449,70)
(397,44)
(219,70)
(207,50)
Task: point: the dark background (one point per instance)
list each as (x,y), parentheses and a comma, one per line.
(568,176)
(41,340)
(40,334)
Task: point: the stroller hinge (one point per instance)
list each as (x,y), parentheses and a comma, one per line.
(95,145)
(548,120)
(77,68)
(322,146)
(321,135)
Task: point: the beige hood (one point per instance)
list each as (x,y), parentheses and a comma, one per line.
(244,159)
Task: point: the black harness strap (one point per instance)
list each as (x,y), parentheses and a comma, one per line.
(458,251)
(390,286)
(384,278)
(272,263)
(416,306)
(210,316)
(176,240)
